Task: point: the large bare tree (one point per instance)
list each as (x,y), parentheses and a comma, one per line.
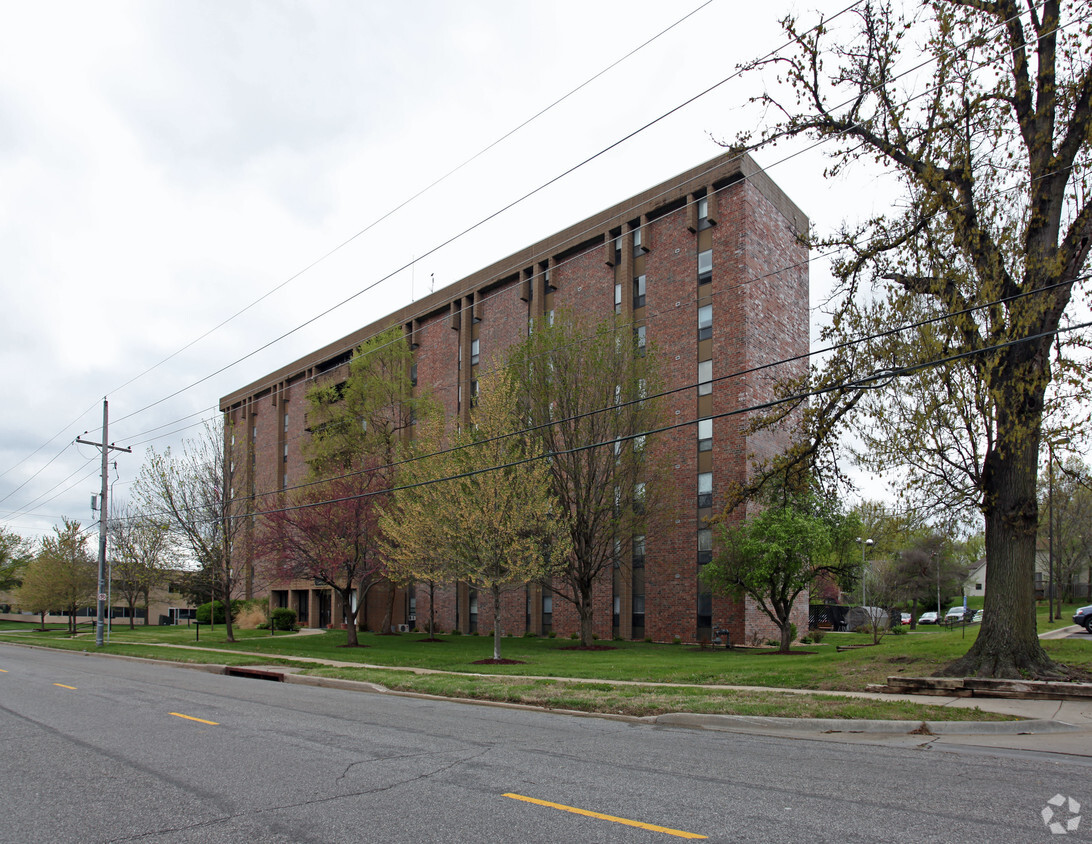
(191,493)
(980,110)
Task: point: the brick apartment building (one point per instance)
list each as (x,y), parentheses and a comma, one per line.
(711,269)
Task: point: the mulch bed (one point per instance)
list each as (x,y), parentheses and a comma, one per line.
(790,653)
(588,648)
(498,662)
(441,641)
(353,646)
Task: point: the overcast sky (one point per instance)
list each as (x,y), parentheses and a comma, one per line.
(164,165)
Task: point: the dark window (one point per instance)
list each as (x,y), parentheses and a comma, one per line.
(639,292)
(413,375)
(638,552)
(705,546)
(705,435)
(705,266)
(705,490)
(705,322)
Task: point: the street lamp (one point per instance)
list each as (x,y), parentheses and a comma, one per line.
(865,543)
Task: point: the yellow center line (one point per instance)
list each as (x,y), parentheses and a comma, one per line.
(3,671)
(199,720)
(63,686)
(676,832)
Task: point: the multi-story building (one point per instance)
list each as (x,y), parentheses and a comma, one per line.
(712,268)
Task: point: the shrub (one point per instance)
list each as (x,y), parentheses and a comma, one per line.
(792,632)
(574,635)
(456,632)
(250,618)
(529,634)
(806,640)
(552,634)
(817,635)
(284,619)
(203,614)
(899,630)
(648,639)
(676,641)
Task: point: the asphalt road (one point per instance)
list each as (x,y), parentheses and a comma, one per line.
(106,750)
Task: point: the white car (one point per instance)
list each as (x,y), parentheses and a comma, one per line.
(927,618)
(956,614)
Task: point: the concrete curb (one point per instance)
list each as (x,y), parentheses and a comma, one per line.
(849,725)
(723,723)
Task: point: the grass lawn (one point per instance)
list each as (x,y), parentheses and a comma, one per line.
(818,667)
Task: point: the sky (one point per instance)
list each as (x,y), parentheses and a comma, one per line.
(189,191)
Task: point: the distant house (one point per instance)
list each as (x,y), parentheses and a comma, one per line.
(1075,589)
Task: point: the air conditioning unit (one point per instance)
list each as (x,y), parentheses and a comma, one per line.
(403,628)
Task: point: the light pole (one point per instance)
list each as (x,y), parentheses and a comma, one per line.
(865,543)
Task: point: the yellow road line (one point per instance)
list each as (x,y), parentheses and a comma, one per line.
(199,720)
(63,686)
(3,671)
(676,832)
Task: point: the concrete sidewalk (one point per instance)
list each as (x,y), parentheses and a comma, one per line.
(1051,726)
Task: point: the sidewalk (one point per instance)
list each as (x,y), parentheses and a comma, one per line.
(1052,726)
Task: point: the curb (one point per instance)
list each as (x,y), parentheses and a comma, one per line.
(849,725)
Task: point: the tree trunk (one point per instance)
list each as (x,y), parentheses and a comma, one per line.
(1008,644)
(584,609)
(227,608)
(432,609)
(786,636)
(351,640)
(388,618)
(496,622)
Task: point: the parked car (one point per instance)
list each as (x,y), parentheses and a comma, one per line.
(906,618)
(1083,617)
(956,614)
(931,618)
(977,617)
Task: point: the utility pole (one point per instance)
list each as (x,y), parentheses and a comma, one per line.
(106,447)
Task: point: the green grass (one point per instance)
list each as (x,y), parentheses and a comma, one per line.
(641,700)
(818,667)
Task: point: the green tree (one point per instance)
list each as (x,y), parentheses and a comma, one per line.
(62,576)
(992,145)
(482,505)
(584,386)
(777,553)
(329,530)
(15,555)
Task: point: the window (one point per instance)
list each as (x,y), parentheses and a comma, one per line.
(638,551)
(473,393)
(705,266)
(703,210)
(705,609)
(639,444)
(413,375)
(705,490)
(475,352)
(618,251)
(705,377)
(618,298)
(549,317)
(705,322)
(637,242)
(705,435)
(286,420)
(705,545)
(639,499)
(641,339)
(639,292)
